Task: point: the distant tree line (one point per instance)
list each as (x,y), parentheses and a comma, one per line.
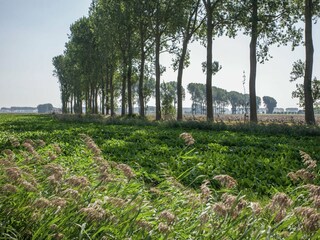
(114,53)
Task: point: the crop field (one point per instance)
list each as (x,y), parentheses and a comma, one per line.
(72,177)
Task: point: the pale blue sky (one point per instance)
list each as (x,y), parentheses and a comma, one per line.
(34,31)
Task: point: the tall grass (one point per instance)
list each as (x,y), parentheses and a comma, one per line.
(50,192)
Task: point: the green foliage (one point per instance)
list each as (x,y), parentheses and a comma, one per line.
(138,179)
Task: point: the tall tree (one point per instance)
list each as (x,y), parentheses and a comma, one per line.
(270,103)
(162,21)
(267,22)
(143,13)
(190,22)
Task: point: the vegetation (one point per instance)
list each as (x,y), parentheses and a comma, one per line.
(115,51)
(86,177)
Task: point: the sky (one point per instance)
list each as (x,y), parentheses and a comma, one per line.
(32,32)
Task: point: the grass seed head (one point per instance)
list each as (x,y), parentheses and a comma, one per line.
(14,142)
(69,192)
(220,209)
(205,190)
(57,148)
(28,186)
(78,181)
(127,171)
(226,181)
(144,225)
(94,213)
(279,201)
(9,188)
(188,139)
(59,202)
(256,208)
(13,173)
(41,203)
(163,228)
(168,216)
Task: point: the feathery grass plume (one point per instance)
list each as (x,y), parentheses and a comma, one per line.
(28,186)
(8,188)
(155,191)
(308,161)
(279,203)
(58,202)
(29,147)
(280,200)
(204,218)
(107,177)
(293,176)
(14,173)
(168,216)
(55,170)
(256,208)
(6,163)
(53,180)
(314,193)
(29,141)
(9,154)
(226,181)
(91,145)
(41,203)
(56,148)
(57,236)
(305,175)
(220,209)
(96,213)
(40,142)
(233,204)
(144,225)
(127,171)
(14,141)
(163,228)
(78,181)
(115,201)
(52,156)
(188,139)
(311,218)
(205,190)
(69,192)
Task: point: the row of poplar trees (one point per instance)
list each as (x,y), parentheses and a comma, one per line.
(121,41)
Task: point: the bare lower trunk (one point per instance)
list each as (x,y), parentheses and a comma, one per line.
(157,63)
(253,63)
(309,111)
(179,79)
(209,66)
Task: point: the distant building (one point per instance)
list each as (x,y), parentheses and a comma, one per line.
(262,111)
(292,110)
(278,111)
(19,110)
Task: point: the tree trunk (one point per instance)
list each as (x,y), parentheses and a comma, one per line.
(179,78)
(141,78)
(209,63)
(107,106)
(253,62)
(129,75)
(112,112)
(123,91)
(309,112)
(157,63)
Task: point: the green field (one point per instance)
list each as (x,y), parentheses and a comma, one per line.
(95,178)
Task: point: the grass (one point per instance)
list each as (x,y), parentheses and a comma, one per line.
(95,178)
